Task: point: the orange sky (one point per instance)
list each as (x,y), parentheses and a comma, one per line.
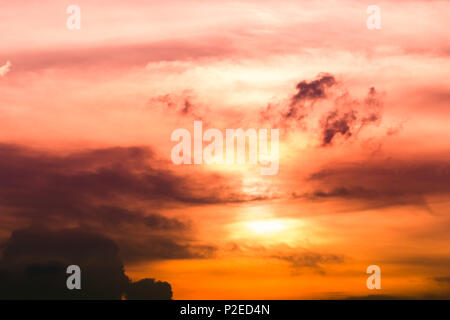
(364,174)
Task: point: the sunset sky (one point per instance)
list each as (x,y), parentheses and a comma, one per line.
(86,118)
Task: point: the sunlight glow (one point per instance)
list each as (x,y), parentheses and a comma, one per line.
(268,231)
(266,226)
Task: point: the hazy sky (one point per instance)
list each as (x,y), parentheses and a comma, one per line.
(364,176)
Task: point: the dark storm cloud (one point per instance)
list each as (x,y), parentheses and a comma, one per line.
(161,247)
(145,237)
(35,261)
(350,121)
(346,118)
(310,92)
(117,216)
(97,188)
(335,123)
(315,89)
(104,174)
(283,116)
(382,183)
(340,192)
(404,176)
(149,289)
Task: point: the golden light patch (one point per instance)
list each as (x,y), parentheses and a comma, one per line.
(266,226)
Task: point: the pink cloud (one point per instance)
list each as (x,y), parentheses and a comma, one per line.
(5,68)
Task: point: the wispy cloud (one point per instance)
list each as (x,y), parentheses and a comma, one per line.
(5,68)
